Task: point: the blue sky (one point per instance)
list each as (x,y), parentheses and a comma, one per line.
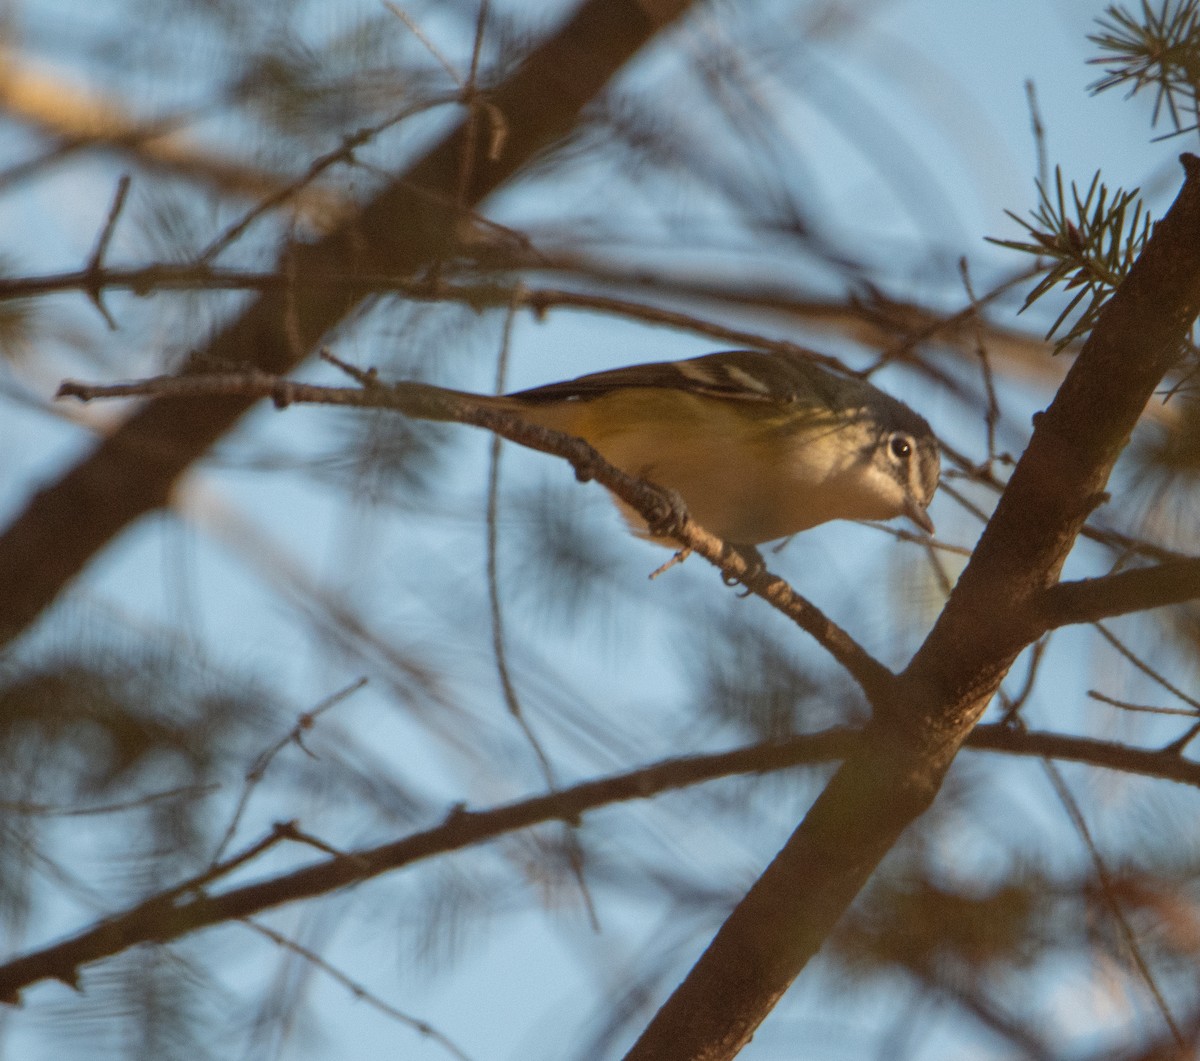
(606,686)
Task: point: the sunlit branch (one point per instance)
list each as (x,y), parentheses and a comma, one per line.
(175,913)
(203,276)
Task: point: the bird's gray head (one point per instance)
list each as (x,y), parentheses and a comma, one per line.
(880,460)
(902,465)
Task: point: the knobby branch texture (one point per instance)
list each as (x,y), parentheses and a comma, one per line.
(408,225)
(993,613)
(189,907)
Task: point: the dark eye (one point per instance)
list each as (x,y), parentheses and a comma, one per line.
(901,447)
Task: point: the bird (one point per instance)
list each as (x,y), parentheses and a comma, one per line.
(759,446)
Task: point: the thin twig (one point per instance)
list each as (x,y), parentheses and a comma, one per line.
(1039,133)
(194,885)
(95,265)
(415,29)
(359,992)
(499,651)
(478,295)
(344,153)
(1144,667)
(1013,703)
(903,350)
(992,412)
(50,810)
(1148,709)
(473,102)
(295,736)
(1071,805)
(511,699)
(902,534)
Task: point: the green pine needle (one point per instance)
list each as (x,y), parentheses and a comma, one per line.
(1156,50)
(1089,243)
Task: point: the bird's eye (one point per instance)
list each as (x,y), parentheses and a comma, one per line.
(901,446)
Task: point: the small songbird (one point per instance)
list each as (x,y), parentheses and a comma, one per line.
(757,445)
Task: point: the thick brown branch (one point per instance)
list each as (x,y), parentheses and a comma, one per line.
(891,779)
(1092,599)
(177,912)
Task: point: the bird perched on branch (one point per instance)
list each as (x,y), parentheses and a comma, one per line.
(759,446)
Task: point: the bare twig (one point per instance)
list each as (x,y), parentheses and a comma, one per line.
(1039,133)
(415,29)
(499,652)
(992,411)
(1145,667)
(1013,703)
(344,153)
(361,993)
(95,264)
(474,103)
(1147,709)
(1103,876)
(538,300)
(50,810)
(259,768)
(511,699)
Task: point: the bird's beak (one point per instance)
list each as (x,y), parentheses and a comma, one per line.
(918,515)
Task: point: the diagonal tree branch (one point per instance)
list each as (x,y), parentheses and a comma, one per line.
(178,911)
(175,912)
(410,224)
(990,617)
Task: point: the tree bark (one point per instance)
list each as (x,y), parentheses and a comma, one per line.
(923,719)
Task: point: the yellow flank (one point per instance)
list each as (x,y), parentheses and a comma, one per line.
(747,473)
(758,446)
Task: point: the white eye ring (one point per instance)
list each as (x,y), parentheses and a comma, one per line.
(900,446)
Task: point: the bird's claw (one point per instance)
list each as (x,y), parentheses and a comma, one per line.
(755,566)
